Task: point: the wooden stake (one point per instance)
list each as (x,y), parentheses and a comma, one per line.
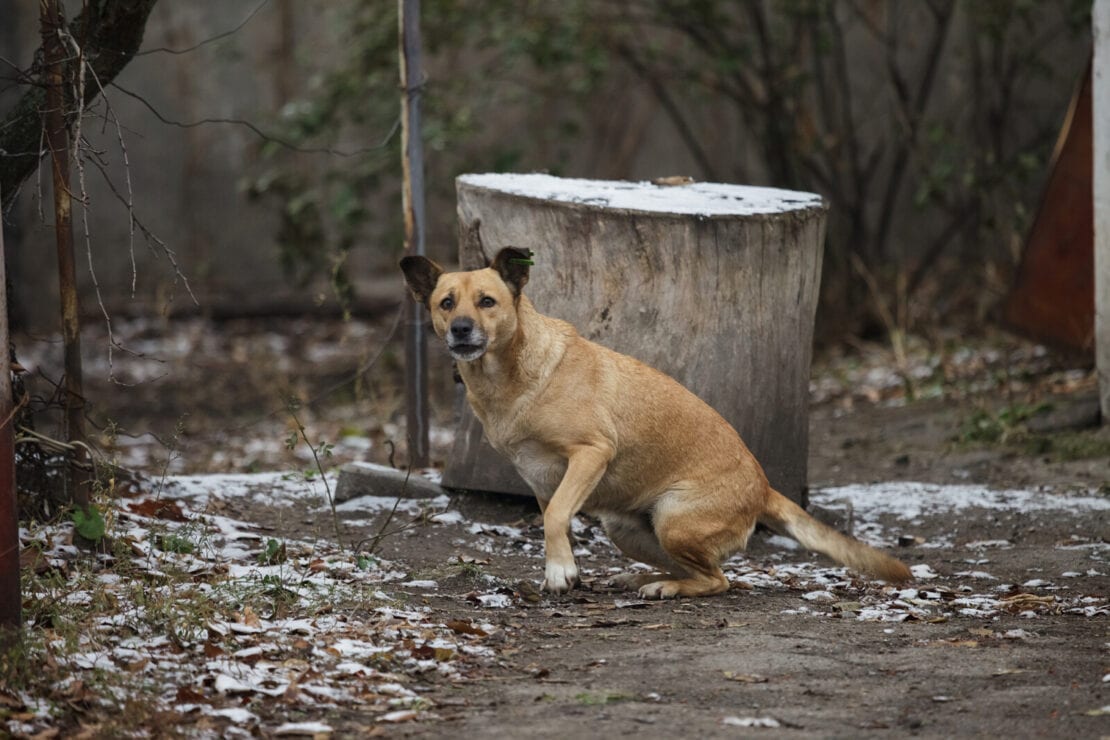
(412,162)
(57,141)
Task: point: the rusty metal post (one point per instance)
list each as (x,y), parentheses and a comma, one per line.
(10,598)
(57,142)
(412,164)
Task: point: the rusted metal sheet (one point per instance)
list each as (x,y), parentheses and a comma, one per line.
(10,599)
(1053,296)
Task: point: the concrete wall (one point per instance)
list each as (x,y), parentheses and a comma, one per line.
(186,181)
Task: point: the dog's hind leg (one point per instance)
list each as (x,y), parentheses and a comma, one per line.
(697,533)
(634,536)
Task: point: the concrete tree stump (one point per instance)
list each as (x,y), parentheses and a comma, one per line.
(715,285)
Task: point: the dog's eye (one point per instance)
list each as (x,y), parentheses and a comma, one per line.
(447,303)
(486,302)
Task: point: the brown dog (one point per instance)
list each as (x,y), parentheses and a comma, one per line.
(593,430)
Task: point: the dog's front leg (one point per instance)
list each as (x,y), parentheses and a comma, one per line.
(585,466)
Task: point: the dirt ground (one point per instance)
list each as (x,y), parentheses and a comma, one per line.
(1005,633)
(598,662)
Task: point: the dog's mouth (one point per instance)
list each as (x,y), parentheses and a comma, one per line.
(466,352)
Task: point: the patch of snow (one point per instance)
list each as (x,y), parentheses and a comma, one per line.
(303,728)
(495,601)
(448,517)
(237,715)
(273,489)
(699,198)
(229,685)
(785,543)
(420,584)
(823,597)
(501,530)
(764,722)
(984,544)
(923,572)
(909,500)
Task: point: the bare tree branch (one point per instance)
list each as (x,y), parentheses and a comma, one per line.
(674,112)
(110,32)
(259,132)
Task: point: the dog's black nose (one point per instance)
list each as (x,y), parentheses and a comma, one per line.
(461,328)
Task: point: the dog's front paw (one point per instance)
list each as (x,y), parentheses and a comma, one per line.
(559,578)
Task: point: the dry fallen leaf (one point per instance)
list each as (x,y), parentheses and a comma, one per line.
(189,695)
(952,642)
(673,181)
(7,699)
(1027,602)
(464,627)
(158,509)
(137,665)
(292,693)
(249,617)
(402,715)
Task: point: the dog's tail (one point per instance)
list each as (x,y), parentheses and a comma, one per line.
(785,516)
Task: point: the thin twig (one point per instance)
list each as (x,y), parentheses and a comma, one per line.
(217,37)
(259,132)
(291,407)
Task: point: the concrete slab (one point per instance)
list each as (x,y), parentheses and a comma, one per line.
(367,479)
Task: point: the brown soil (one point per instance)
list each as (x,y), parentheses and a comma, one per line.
(599,663)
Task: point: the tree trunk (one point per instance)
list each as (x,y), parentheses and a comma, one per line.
(715,285)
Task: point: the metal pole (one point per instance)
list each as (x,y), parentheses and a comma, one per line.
(412,163)
(10,599)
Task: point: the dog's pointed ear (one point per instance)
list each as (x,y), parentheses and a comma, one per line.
(512,264)
(421,275)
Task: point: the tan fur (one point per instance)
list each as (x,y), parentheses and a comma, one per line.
(593,430)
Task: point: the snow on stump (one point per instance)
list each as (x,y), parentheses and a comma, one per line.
(715,285)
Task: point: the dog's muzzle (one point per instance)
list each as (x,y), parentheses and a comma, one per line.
(465,341)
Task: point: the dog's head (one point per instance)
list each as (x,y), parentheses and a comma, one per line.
(473,312)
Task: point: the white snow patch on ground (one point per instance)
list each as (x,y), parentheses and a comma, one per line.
(910,501)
